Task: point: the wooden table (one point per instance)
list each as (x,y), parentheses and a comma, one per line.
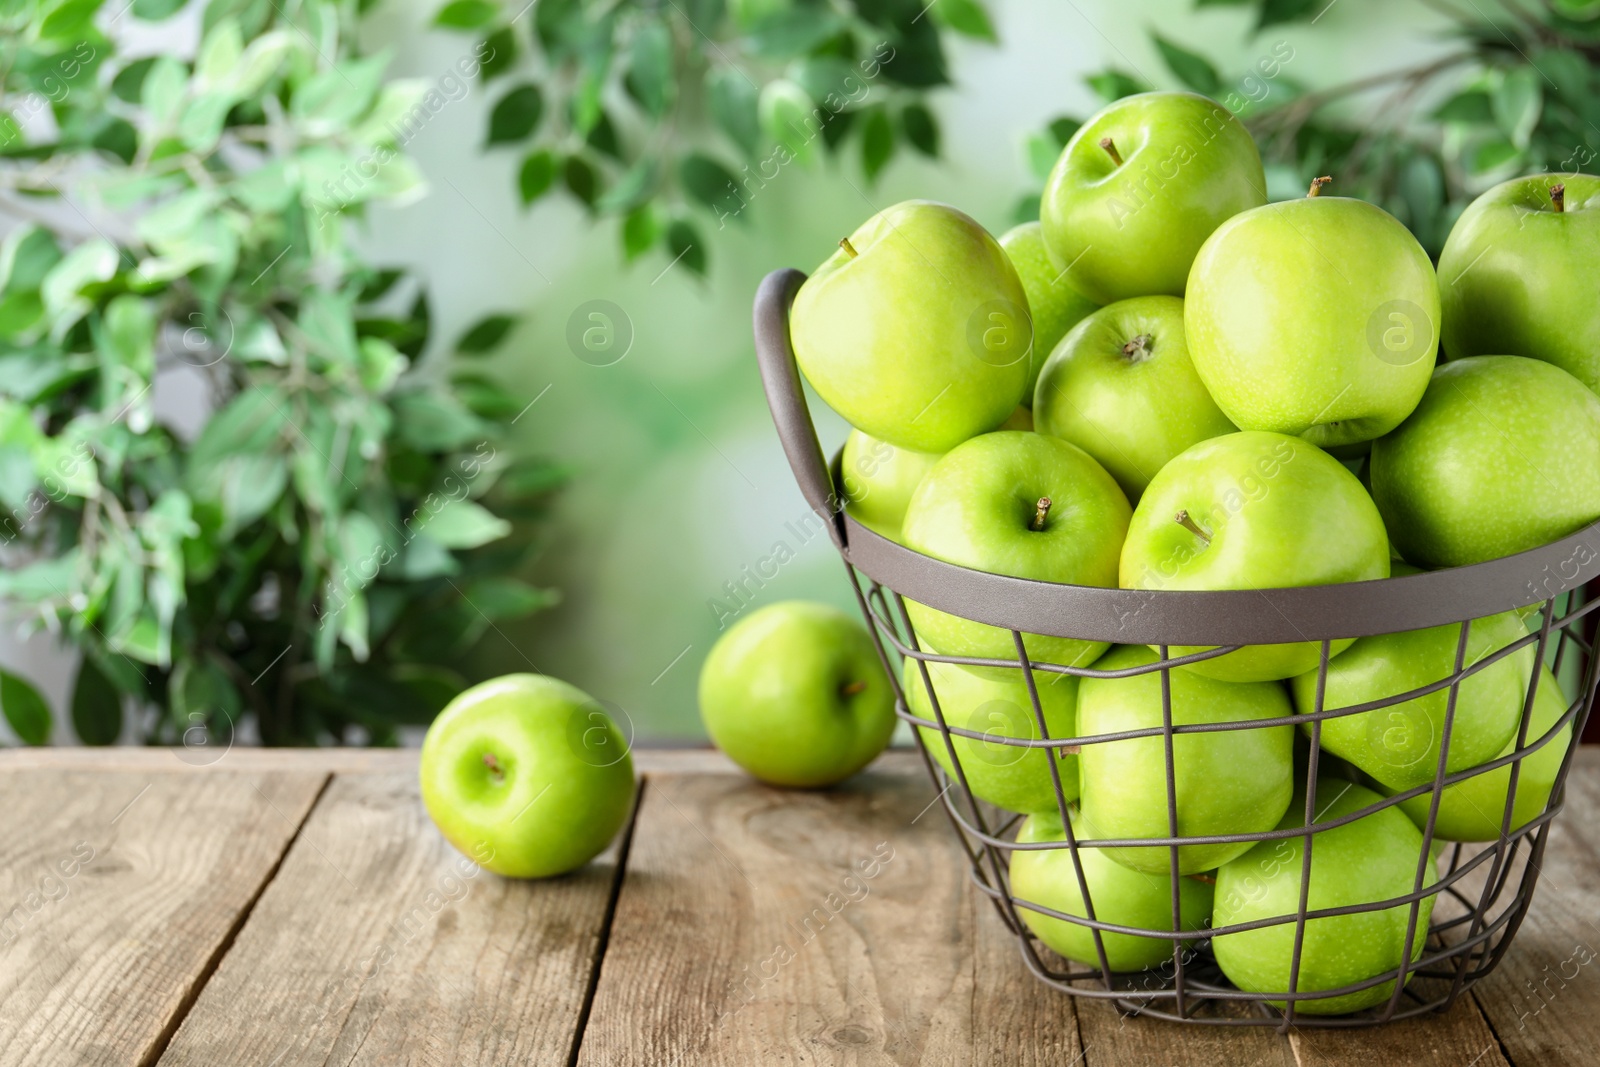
(283,908)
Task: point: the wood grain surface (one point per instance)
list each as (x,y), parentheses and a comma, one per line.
(379,944)
(120,891)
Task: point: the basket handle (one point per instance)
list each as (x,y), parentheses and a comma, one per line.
(780,378)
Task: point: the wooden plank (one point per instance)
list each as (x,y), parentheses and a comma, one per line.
(646,760)
(1544,999)
(758,925)
(1458,1038)
(1112,1039)
(120,890)
(378,943)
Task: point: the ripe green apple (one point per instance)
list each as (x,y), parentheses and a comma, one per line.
(1254,510)
(1363,862)
(1053,304)
(1014,778)
(527,775)
(1517,275)
(1502,455)
(1317,317)
(1021,504)
(917,329)
(1120,386)
(796,695)
(1120,895)
(1227,782)
(1140,187)
(879,480)
(1472,810)
(1399,744)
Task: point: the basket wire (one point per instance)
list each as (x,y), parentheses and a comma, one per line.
(1481,897)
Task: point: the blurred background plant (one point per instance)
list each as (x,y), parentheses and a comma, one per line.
(315,556)
(720,95)
(1517,91)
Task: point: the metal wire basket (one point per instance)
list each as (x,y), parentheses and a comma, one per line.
(1482,891)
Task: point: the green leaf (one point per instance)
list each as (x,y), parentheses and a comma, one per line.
(95,260)
(1274,12)
(791,32)
(129,81)
(68,18)
(96,706)
(603,137)
(582,180)
(1471,107)
(650,61)
(828,80)
(1491,155)
(504,599)
(466,14)
(156,10)
(128,335)
(640,231)
(711,184)
(219,54)
(25,710)
(877,141)
(787,115)
(537,174)
(921,129)
(201,693)
(966,17)
(486,334)
(1112,85)
(163,90)
(380,365)
(463,524)
(26,256)
(328,102)
(1193,70)
(250,485)
(1517,102)
(1026,209)
(732,99)
(635,186)
(917,58)
(499,54)
(686,246)
(1062,128)
(516,114)
(431,421)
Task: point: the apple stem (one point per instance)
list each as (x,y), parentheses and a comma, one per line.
(1317,184)
(1558,197)
(493,764)
(1182,519)
(1111,150)
(850,689)
(1137,348)
(849,249)
(1069,750)
(1206,878)
(1041,510)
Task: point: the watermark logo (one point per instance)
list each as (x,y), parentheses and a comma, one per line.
(1400,736)
(1400,333)
(1000,333)
(600,733)
(599,332)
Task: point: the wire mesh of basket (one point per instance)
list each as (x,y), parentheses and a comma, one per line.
(1466,899)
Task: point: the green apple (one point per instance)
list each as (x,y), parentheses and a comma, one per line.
(1254,510)
(1366,861)
(1317,317)
(1140,187)
(1472,810)
(916,330)
(1120,386)
(1519,271)
(1021,504)
(1502,455)
(879,480)
(1120,896)
(795,693)
(1008,776)
(1227,782)
(1399,744)
(527,775)
(1053,304)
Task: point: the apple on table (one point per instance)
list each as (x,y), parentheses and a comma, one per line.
(526,775)
(795,693)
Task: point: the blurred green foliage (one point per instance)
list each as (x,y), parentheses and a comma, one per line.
(1518,92)
(719,95)
(345,524)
